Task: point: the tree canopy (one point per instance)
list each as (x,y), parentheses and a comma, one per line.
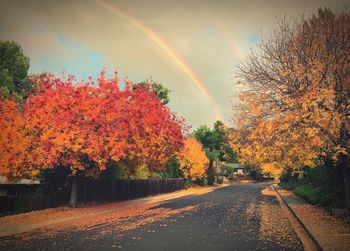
(85,126)
(193,161)
(14,142)
(160,90)
(14,67)
(216,141)
(295,107)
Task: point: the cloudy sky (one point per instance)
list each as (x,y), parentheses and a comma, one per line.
(191,47)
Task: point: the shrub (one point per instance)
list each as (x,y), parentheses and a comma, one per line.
(285,177)
(219,179)
(231,177)
(319,195)
(201,181)
(286,185)
(188,183)
(210,179)
(312,194)
(347,219)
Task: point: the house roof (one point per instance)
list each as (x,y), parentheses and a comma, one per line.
(5,181)
(234,165)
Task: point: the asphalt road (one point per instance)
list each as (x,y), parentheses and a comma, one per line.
(237,217)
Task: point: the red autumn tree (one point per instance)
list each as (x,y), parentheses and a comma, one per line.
(85,125)
(154,133)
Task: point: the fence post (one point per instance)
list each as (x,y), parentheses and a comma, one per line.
(157,186)
(85,187)
(113,190)
(128,189)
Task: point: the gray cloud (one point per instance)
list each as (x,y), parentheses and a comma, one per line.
(210,35)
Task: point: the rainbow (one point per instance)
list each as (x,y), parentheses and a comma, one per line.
(165,46)
(222,30)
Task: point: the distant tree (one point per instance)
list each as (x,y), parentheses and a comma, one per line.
(210,139)
(227,153)
(14,67)
(216,143)
(161,91)
(207,137)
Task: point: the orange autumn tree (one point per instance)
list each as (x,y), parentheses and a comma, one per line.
(14,142)
(296,102)
(86,125)
(193,160)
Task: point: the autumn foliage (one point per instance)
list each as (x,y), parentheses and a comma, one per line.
(193,161)
(295,105)
(86,125)
(14,140)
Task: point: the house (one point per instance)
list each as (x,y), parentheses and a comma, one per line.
(233,168)
(10,188)
(10,191)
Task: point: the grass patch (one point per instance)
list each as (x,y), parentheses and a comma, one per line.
(319,195)
(315,194)
(311,193)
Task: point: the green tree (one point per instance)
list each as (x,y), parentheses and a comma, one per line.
(14,67)
(172,169)
(227,153)
(160,90)
(216,142)
(210,139)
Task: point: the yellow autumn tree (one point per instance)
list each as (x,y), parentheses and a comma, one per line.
(193,161)
(271,169)
(296,100)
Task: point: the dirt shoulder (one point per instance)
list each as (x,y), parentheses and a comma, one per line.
(330,232)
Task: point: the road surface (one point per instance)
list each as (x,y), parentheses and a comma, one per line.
(238,217)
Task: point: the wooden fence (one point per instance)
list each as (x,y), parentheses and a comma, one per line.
(91,191)
(97,190)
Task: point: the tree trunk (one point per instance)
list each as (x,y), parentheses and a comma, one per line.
(74,192)
(211,176)
(293,183)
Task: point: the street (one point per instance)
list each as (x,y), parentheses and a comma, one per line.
(237,217)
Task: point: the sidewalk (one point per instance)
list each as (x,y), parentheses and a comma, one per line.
(26,222)
(330,232)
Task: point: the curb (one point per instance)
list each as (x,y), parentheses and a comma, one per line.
(299,220)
